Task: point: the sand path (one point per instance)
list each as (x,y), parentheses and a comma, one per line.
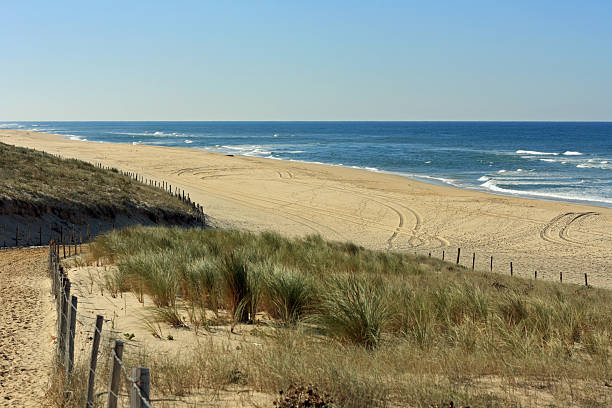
(376,210)
(25,346)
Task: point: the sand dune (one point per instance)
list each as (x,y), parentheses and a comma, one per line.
(375,210)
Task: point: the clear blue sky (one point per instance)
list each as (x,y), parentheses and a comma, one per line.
(306,60)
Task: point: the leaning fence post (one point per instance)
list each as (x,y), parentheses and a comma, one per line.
(458,255)
(70,335)
(140,400)
(93,362)
(115,377)
(442,254)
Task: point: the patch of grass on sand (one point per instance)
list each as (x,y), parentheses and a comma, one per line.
(370,328)
(35,183)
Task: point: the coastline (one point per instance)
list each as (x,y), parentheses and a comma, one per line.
(379,210)
(511,171)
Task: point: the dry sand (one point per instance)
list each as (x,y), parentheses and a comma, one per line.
(376,210)
(27,320)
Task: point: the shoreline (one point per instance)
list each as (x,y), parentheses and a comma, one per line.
(378,210)
(423,178)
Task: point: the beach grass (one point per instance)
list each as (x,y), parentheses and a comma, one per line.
(37,184)
(369,328)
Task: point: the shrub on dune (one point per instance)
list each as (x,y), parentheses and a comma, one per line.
(204,280)
(234,276)
(289,294)
(355,309)
(154,273)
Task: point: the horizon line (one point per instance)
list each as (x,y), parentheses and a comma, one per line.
(327,121)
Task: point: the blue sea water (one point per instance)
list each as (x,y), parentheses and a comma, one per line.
(547,160)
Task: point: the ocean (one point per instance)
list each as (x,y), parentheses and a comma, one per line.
(559,161)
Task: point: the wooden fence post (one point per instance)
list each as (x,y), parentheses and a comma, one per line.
(473,260)
(491,263)
(561,277)
(442,254)
(458,255)
(115,377)
(70,337)
(93,362)
(511,270)
(535,275)
(61,339)
(142,376)
(586,280)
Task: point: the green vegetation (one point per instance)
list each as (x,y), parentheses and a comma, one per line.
(368,328)
(36,184)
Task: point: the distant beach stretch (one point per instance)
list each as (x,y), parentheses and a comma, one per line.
(377,209)
(547,160)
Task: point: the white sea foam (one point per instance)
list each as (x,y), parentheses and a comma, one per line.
(492,186)
(294,151)
(571,153)
(501,171)
(150,134)
(594,165)
(188,141)
(548,160)
(484,178)
(75,137)
(536,153)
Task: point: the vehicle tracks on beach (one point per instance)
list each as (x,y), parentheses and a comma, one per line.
(558,229)
(416,238)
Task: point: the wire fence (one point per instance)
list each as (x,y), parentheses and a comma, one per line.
(101,377)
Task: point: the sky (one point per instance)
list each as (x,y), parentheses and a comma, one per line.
(306,60)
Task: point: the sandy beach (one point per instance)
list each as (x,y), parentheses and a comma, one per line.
(376,210)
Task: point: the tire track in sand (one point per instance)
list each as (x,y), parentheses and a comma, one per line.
(557,230)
